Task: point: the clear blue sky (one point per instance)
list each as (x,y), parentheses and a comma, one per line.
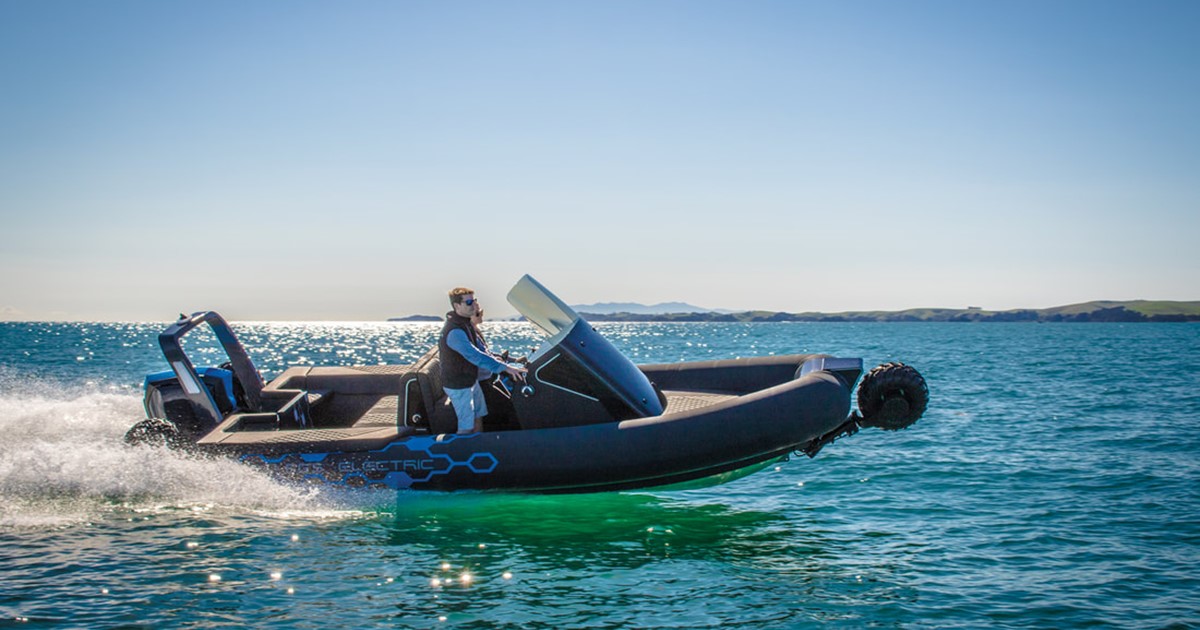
(354,160)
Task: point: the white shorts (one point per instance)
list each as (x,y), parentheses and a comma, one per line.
(468,404)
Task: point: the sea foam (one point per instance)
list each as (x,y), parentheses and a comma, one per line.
(63,460)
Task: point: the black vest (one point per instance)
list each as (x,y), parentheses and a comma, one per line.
(457,371)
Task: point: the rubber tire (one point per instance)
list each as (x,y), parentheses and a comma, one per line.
(892,396)
(155,432)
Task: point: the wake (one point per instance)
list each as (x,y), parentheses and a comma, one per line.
(63,460)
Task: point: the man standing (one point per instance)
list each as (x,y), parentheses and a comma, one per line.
(462,359)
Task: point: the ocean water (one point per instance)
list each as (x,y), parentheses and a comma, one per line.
(1051,484)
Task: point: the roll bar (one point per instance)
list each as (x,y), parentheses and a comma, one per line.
(243,368)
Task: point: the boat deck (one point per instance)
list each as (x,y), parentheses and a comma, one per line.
(384,412)
(378,423)
(679,402)
(363,395)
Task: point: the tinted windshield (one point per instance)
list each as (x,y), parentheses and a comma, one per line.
(541,307)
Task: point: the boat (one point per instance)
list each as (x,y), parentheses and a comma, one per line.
(585,418)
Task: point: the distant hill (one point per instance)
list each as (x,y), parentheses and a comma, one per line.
(608,308)
(416,318)
(1096,311)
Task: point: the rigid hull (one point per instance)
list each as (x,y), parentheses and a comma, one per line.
(712,434)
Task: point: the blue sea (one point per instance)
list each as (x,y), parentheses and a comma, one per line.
(1051,484)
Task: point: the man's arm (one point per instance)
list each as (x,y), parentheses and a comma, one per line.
(458,342)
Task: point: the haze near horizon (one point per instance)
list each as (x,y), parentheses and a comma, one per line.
(353,161)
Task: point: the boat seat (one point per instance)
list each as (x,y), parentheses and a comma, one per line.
(439,411)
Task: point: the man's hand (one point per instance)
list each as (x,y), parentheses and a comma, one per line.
(516,372)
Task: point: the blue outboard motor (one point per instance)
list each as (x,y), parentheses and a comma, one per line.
(165,398)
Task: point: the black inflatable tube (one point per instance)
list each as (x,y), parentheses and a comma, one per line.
(666,449)
(735,376)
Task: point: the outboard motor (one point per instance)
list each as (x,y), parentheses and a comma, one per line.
(165,398)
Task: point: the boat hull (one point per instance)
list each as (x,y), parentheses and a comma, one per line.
(674,448)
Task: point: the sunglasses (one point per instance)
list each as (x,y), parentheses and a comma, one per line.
(470,301)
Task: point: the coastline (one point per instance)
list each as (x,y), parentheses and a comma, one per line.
(1134,311)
